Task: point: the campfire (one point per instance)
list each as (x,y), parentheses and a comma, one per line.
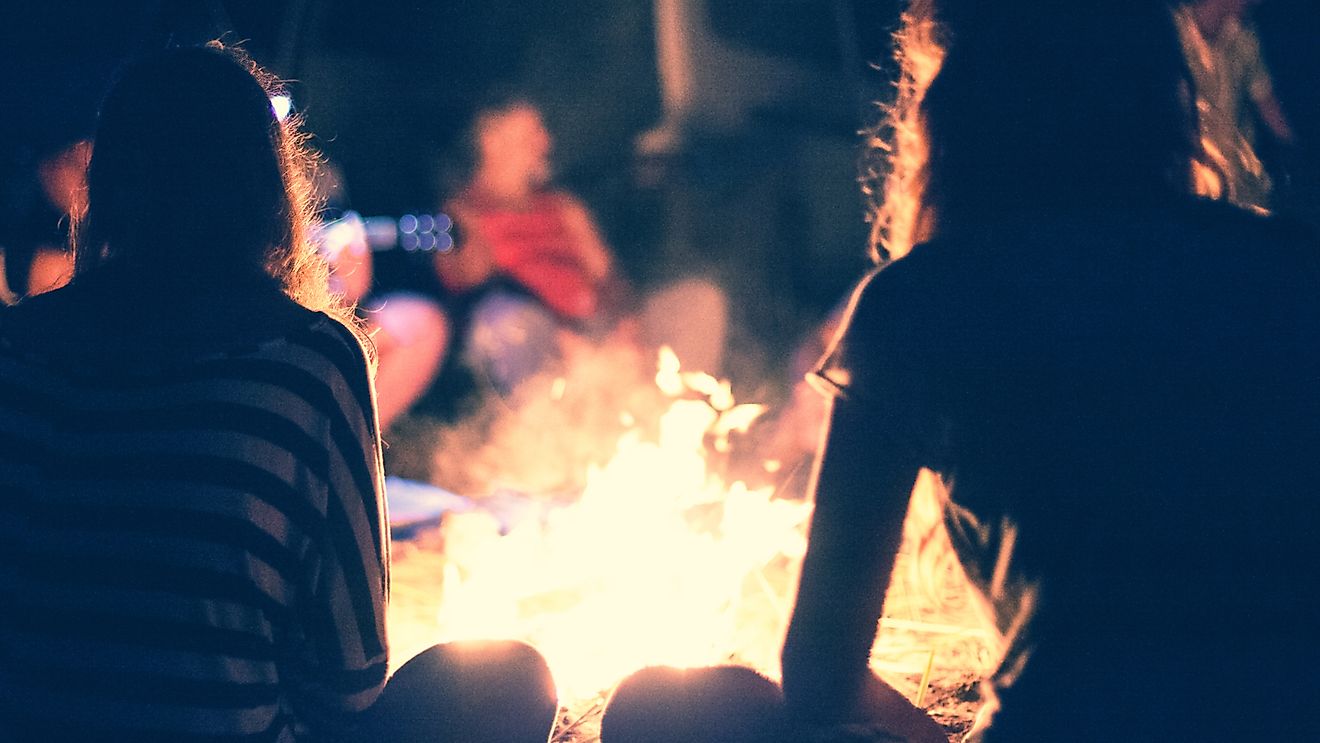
(660,559)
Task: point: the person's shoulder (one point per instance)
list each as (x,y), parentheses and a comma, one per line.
(564,200)
(334,339)
(904,280)
(355,366)
(465,197)
(470,203)
(891,291)
(324,348)
(90,325)
(870,292)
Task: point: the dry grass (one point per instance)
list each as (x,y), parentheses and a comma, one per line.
(932,645)
(917,634)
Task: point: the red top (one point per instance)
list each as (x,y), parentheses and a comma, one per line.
(535,247)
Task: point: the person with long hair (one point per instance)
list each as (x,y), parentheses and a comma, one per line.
(1114,380)
(193,536)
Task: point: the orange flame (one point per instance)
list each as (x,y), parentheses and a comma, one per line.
(660,561)
(656,563)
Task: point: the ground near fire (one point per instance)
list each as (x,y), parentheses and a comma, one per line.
(618,517)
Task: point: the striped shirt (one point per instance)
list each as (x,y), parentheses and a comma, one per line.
(192,528)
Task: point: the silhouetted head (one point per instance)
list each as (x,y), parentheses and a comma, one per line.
(1016,106)
(194,178)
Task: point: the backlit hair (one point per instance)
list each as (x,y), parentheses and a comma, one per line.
(194,179)
(1018,106)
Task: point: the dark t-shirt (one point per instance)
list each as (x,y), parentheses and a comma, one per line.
(1125,407)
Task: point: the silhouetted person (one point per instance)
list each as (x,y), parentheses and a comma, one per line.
(1116,382)
(193,542)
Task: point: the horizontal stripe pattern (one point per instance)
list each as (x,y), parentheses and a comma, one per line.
(194,551)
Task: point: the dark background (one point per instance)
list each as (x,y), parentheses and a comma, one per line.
(770,208)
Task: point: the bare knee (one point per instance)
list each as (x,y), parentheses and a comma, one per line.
(412,337)
(479,692)
(729,704)
(410,321)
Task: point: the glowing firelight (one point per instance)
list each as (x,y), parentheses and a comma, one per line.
(659,561)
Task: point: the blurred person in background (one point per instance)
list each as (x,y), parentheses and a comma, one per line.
(195,543)
(535,271)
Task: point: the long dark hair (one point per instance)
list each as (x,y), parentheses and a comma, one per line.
(1014,106)
(194,179)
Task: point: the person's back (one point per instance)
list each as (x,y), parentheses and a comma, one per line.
(1116,383)
(1125,408)
(192,528)
(192,540)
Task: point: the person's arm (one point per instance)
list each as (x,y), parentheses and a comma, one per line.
(615,297)
(862,488)
(868,463)
(471,262)
(593,254)
(343,661)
